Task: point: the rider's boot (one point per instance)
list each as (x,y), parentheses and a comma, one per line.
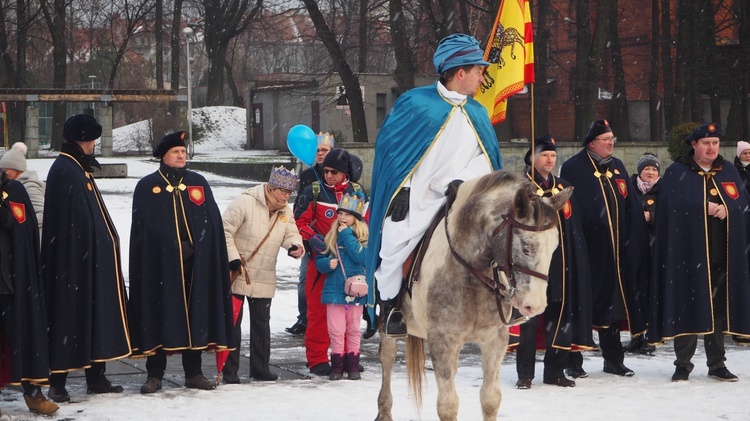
(393,324)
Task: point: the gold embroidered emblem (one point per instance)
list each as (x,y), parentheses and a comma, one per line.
(713,192)
(169,188)
(156,190)
(283,218)
(567,210)
(731,190)
(182,187)
(19,211)
(609,174)
(196,194)
(597,174)
(650,202)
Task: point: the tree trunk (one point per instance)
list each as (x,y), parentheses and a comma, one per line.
(174,45)
(54,15)
(348,78)
(541,62)
(707,33)
(653,77)
(619,112)
(582,100)
(158,39)
(666,67)
(403,74)
(363,36)
(744,132)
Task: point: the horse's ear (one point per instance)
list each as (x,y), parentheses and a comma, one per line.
(557,201)
(522,203)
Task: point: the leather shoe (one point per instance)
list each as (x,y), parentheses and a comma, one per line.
(39,404)
(231,378)
(618,369)
(722,374)
(576,372)
(297,329)
(523,384)
(102,386)
(200,382)
(322,369)
(152,385)
(265,376)
(58,394)
(681,374)
(561,381)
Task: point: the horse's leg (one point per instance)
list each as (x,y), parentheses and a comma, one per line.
(387,354)
(444,351)
(493,349)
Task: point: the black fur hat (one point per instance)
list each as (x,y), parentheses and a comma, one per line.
(81,128)
(168,142)
(595,129)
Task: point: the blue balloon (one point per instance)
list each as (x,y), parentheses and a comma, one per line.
(302,143)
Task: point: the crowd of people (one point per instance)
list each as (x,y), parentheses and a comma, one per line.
(64,306)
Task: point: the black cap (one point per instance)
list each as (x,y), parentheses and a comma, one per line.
(81,128)
(595,129)
(168,142)
(546,143)
(706,130)
(338,159)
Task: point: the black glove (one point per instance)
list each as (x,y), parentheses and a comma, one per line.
(291,249)
(399,206)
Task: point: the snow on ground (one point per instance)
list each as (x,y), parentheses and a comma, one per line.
(648,395)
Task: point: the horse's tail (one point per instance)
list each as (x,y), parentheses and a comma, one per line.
(415,370)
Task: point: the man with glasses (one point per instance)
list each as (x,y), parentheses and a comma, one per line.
(307,177)
(315,214)
(615,232)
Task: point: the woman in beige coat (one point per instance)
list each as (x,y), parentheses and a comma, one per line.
(256,225)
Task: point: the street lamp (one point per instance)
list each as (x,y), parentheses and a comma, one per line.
(92,77)
(188,31)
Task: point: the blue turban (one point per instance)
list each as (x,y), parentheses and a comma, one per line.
(458,50)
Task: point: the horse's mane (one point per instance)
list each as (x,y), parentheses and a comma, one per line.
(501,179)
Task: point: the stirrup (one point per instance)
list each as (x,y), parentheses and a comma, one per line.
(396,318)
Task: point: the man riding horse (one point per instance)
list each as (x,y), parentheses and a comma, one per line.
(434,135)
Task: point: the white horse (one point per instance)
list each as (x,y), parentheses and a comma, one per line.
(494,254)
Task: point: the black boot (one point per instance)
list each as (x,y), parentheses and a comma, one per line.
(636,342)
(394,324)
(352,362)
(337,367)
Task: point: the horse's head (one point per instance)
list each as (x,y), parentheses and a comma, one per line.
(513,229)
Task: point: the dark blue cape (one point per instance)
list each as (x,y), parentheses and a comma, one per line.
(28,338)
(681,286)
(82,269)
(162,312)
(613,274)
(407,134)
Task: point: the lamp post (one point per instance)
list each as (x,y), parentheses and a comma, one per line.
(188,31)
(92,77)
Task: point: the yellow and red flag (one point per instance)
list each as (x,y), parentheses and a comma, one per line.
(510,52)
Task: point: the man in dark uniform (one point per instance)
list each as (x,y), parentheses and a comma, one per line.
(306,178)
(566,321)
(23,338)
(316,212)
(616,238)
(179,272)
(81,267)
(700,266)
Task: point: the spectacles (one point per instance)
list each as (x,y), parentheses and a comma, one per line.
(285,192)
(332,172)
(323,150)
(607,139)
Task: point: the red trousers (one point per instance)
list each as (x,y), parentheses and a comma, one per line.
(316,335)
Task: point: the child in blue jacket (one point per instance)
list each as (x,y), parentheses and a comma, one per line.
(344,257)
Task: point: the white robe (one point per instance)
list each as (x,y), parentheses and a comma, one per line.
(455,155)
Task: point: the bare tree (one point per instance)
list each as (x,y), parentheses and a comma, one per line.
(224,21)
(403,74)
(541,63)
(619,109)
(174,44)
(653,76)
(666,66)
(55,17)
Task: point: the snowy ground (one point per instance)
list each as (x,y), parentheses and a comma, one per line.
(648,395)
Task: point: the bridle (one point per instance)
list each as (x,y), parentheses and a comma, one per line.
(502,293)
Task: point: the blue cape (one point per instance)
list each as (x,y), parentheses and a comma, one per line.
(410,129)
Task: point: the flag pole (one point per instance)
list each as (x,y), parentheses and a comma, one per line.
(533,151)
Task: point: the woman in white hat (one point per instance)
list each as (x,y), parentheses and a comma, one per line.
(13,163)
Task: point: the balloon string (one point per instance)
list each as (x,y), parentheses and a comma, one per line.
(323,184)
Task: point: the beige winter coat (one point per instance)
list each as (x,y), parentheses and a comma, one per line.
(246,222)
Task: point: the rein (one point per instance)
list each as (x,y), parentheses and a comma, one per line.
(500,291)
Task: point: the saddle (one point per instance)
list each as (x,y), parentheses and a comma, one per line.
(411,268)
